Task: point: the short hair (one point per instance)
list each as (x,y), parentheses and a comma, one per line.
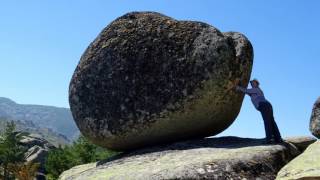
(256,81)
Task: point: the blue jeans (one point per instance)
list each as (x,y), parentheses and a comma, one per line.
(271,128)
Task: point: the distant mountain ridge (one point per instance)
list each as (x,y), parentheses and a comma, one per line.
(53,137)
(53,118)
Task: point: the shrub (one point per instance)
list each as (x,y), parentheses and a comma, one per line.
(80,152)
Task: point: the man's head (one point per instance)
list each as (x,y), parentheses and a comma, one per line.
(254,83)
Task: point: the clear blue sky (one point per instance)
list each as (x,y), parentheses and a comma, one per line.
(41,43)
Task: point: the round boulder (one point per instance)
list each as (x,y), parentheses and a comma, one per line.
(149,79)
(315,119)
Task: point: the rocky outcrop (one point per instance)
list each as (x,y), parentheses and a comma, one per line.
(210,158)
(305,166)
(315,119)
(150,79)
(38,149)
(301,142)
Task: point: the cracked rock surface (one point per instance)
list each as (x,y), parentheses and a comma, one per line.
(149,79)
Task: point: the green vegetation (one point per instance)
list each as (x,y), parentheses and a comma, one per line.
(13,164)
(12,155)
(80,152)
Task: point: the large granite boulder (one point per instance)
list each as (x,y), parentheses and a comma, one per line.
(305,166)
(210,158)
(149,79)
(315,119)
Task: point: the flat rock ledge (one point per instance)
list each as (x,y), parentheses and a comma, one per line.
(209,158)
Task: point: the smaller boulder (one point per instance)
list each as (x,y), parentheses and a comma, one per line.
(305,166)
(301,142)
(315,119)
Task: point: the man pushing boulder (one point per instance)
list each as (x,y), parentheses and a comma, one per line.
(265,107)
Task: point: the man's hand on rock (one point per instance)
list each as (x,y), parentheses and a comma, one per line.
(237,82)
(233,85)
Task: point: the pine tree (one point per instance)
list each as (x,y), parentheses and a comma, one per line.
(10,150)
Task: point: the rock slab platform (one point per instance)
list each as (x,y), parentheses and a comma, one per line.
(209,158)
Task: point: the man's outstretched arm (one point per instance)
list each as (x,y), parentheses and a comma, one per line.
(244,90)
